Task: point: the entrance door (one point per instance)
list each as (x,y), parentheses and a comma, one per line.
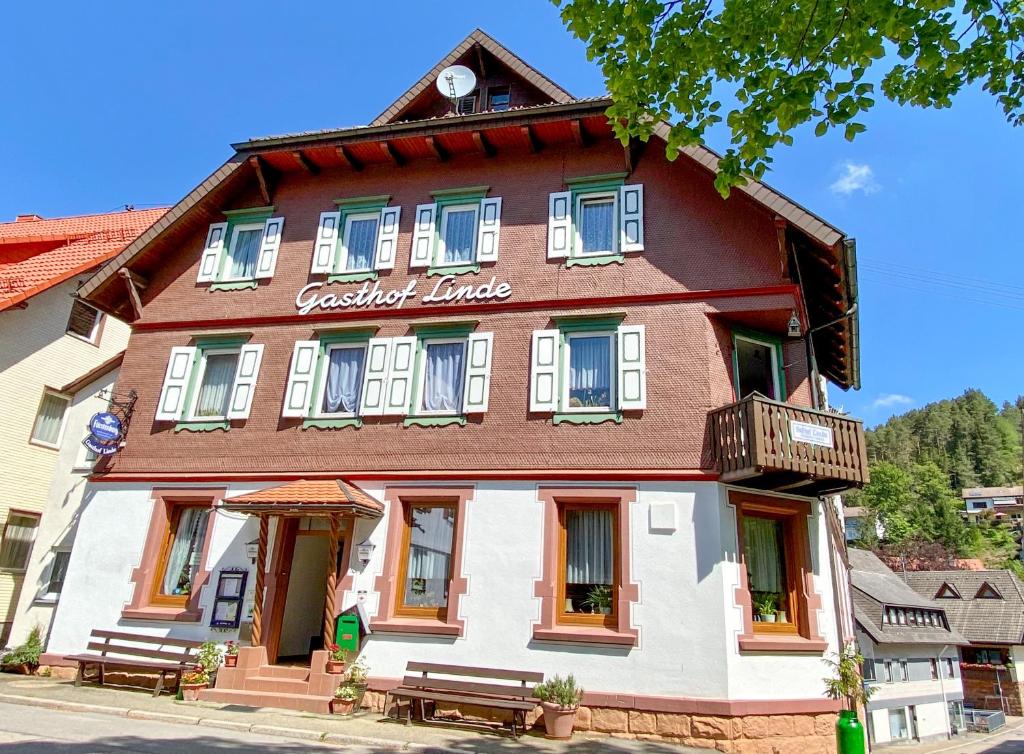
(302,623)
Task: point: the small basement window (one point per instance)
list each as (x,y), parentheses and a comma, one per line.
(84,321)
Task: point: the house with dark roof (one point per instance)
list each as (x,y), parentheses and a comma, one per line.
(910,656)
(48,339)
(987,608)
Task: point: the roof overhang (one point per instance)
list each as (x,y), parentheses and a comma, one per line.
(308,498)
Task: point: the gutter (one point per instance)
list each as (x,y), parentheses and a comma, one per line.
(852,292)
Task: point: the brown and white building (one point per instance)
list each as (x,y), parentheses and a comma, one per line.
(522,396)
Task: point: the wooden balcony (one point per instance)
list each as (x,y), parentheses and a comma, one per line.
(768,445)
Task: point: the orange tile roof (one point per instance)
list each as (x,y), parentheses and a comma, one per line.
(85,242)
(326,495)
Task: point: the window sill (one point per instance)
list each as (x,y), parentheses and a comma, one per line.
(584,635)
(595,261)
(175,614)
(583,418)
(780,643)
(41,444)
(353,277)
(351,421)
(49,600)
(235,285)
(415,626)
(84,339)
(453,269)
(435,421)
(202,426)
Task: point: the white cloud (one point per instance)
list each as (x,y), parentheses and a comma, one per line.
(855,178)
(888,400)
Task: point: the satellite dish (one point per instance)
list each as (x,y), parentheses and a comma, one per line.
(456,81)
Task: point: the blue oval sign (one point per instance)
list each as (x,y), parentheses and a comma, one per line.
(99,448)
(105,427)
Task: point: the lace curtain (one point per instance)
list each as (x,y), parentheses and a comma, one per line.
(460,227)
(442,378)
(218,378)
(186,551)
(344,380)
(762,547)
(430,549)
(245,253)
(589,548)
(596,224)
(590,372)
(362,242)
(51,415)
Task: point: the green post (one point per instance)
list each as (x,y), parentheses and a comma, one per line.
(849,733)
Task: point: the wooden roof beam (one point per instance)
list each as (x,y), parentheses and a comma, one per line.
(480,60)
(439,151)
(263,178)
(578,134)
(632,152)
(392,154)
(530,137)
(305,163)
(349,159)
(485,147)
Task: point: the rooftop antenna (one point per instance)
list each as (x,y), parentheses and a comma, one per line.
(455,82)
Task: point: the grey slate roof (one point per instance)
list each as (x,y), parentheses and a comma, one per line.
(875,587)
(983,621)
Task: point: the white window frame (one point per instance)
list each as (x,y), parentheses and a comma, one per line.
(474,207)
(63,421)
(611,335)
(340,265)
(887,675)
(773,348)
(82,462)
(197,384)
(904,671)
(577,222)
(92,337)
(48,596)
(228,259)
(318,412)
(422,373)
(907,718)
(3,537)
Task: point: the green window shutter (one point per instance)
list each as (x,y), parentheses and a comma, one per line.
(375,376)
(249,359)
(544,371)
(399,383)
(212,252)
(299,392)
(478,373)
(269,246)
(423,236)
(631,217)
(559,224)
(632,367)
(489,230)
(387,238)
(172,394)
(326,243)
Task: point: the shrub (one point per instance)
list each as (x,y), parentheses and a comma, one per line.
(28,653)
(561,691)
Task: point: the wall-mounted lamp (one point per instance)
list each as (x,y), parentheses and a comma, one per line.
(364,551)
(794,325)
(252,549)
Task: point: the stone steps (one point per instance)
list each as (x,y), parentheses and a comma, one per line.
(245,698)
(275,685)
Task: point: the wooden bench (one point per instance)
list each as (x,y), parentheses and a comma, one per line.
(482,691)
(166,657)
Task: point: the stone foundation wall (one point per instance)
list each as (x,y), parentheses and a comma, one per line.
(750,734)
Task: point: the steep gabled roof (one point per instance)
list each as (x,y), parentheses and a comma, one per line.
(476,37)
(995,621)
(308,496)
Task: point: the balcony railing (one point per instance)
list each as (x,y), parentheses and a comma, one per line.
(766,444)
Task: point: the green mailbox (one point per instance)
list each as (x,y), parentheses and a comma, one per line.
(346,633)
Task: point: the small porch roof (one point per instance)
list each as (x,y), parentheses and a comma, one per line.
(308,497)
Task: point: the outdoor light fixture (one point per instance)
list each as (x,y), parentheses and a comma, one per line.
(252,549)
(364,551)
(794,325)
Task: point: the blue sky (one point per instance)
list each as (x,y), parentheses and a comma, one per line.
(138,103)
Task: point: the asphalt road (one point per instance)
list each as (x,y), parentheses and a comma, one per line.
(34,730)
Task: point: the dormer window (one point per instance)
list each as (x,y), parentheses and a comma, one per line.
(947,592)
(987,592)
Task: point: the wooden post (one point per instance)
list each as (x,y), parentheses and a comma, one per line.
(261,574)
(332,579)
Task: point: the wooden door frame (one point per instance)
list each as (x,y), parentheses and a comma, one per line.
(277,592)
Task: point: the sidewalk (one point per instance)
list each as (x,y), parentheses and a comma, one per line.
(968,743)
(366,729)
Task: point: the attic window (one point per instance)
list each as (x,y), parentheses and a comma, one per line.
(467,104)
(947,592)
(988,592)
(498,98)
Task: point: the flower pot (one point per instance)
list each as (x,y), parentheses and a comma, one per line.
(606,610)
(767,618)
(343,706)
(558,721)
(190,691)
(230,661)
(335,667)
(781,616)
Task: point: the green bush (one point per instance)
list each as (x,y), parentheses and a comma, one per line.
(561,691)
(28,653)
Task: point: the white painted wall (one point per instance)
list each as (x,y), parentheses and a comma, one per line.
(686,612)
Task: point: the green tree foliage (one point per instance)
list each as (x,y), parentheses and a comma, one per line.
(786,64)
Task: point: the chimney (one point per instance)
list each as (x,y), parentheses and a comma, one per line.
(27,218)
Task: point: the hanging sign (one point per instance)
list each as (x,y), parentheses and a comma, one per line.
(445,291)
(812,434)
(105,433)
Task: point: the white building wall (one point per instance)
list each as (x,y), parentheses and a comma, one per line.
(686,611)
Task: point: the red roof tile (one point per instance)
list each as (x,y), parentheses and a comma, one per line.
(326,495)
(84,242)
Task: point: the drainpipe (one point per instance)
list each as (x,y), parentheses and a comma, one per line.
(942,687)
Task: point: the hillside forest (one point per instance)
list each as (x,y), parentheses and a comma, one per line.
(921,460)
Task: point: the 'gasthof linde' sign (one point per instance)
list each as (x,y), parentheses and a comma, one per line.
(445,291)
(812,434)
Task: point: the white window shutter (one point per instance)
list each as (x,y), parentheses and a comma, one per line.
(387,238)
(478,373)
(632,362)
(399,386)
(423,235)
(299,391)
(375,376)
(490,229)
(269,246)
(559,224)
(249,359)
(326,242)
(172,394)
(631,217)
(544,371)
(210,260)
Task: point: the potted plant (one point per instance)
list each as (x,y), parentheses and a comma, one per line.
(231,654)
(336,659)
(356,678)
(846,684)
(345,698)
(559,698)
(208,658)
(24,659)
(599,599)
(192,682)
(766,605)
